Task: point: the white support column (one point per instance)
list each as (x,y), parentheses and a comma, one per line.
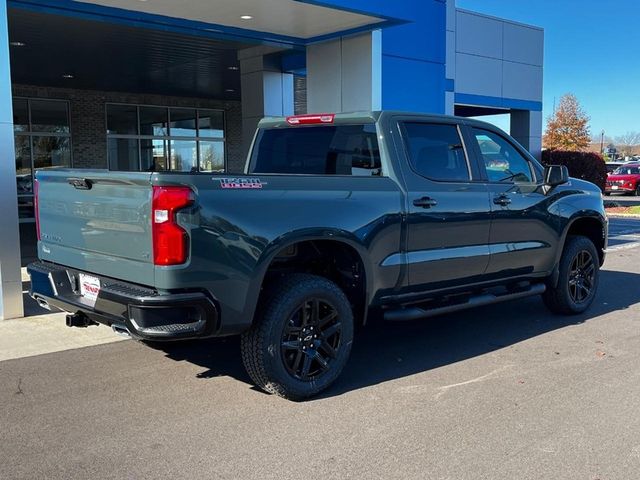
(266,90)
(10,277)
(526,128)
(345,75)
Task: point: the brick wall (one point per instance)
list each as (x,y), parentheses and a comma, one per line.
(88,129)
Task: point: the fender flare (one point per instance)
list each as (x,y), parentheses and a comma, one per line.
(594,215)
(298,236)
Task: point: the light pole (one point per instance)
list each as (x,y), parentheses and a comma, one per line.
(602,143)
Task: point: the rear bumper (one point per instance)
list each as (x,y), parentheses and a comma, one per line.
(142,311)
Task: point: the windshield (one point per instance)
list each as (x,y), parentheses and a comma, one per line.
(627,171)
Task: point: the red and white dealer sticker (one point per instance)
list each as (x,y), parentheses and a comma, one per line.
(89,287)
(241,183)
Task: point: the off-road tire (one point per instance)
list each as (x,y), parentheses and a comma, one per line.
(261,348)
(559,299)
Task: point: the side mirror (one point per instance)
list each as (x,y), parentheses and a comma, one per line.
(555,175)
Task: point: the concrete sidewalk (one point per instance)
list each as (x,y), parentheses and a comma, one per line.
(42,332)
(26,337)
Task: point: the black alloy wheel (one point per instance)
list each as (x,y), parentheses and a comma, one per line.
(578,273)
(301,337)
(581,276)
(311,339)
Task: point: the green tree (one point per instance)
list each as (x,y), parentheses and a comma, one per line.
(568,127)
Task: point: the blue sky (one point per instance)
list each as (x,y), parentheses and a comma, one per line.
(591,50)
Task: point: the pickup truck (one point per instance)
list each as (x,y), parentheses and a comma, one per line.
(337,216)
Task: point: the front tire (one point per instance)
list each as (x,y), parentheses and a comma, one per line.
(301,338)
(579,275)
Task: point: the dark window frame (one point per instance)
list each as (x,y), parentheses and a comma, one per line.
(169,137)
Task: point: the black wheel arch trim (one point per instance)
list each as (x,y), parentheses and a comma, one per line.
(594,215)
(307,235)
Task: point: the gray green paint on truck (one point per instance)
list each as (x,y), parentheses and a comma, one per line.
(398,238)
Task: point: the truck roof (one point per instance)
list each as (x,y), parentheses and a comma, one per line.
(357,117)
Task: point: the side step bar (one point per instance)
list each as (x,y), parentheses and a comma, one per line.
(415,313)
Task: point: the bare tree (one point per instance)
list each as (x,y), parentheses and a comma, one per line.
(628,142)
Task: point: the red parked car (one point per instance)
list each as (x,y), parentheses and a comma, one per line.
(624,179)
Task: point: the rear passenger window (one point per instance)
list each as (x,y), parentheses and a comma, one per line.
(436,151)
(320,150)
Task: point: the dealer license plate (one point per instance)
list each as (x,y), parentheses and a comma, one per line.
(89,287)
(614,187)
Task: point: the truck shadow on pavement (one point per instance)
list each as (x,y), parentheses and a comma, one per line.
(385,351)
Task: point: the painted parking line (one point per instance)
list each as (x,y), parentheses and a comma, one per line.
(624,234)
(624,246)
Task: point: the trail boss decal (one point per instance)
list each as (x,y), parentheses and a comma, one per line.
(241,183)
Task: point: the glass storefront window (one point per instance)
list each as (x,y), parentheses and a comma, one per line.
(211,156)
(155,138)
(24,176)
(122,119)
(49,116)
(154,155)
(183,122)
(42,140)
(184,156)
(211,123)
(20,115)
(49,152)
(123,154)
(153,121)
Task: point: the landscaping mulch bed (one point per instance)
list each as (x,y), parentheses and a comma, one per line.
(623,211)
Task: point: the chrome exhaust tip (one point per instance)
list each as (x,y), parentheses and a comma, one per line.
(42,303)
(121,330)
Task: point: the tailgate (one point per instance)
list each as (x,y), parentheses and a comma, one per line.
(97,221)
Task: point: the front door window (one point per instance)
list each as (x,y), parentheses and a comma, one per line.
(502,161)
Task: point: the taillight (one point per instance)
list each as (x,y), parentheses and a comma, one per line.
(36,210)
(170,241)
(313,119)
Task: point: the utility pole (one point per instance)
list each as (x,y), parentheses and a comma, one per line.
(602,143)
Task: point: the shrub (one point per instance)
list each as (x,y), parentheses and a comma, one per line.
(585,165)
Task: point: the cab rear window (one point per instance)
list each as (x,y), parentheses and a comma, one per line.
(318,150)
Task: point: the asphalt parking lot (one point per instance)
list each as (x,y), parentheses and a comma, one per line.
(623,200)
(508,391)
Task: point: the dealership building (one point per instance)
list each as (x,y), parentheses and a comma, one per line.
(181,85)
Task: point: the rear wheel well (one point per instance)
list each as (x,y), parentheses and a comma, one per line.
(593,230)
(330,259)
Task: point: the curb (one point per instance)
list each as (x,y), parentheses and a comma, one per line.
(624,215)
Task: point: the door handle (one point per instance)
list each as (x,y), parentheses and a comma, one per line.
(502,200)
(425,202)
